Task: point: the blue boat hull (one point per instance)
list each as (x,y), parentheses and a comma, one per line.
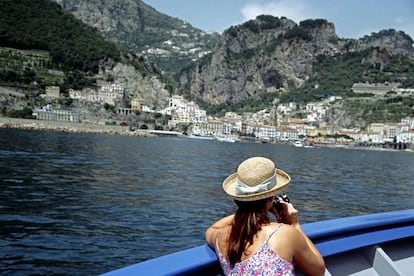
(332,237)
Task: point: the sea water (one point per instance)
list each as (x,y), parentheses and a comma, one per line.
(82,204)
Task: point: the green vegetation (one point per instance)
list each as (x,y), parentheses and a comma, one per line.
(269,22)
(246,54)
(43,45)
(25,67)
(334,76)
(232,31)
(110,107)
(303,31)
(248,105)
(391,109)
(25,113)
(42,25)
(261,23)
(313,23)
(382,33)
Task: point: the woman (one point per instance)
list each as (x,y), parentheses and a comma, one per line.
(247,242)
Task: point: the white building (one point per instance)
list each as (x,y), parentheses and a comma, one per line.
(136,105)
(286,109)
(287,134)
(378,89)
(183,111)
(75,94)
(50,114)
(52,91)
(106,94)
(264,132)
(109,93)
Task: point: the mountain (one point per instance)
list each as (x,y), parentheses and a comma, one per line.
(271,60)
(251,66)
(168,42)
(255,64)
(42,45)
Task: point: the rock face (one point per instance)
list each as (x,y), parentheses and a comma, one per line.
(143,84)
(261,56)
(118,17)
(168,42)
(392,41)
(271,54)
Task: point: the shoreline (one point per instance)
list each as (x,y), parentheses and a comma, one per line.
(90,128)
(70,127)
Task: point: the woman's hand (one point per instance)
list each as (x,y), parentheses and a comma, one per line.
(290,214)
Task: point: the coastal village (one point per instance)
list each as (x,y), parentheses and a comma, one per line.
(276,125)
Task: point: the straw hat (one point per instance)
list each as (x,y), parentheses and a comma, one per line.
(256,178)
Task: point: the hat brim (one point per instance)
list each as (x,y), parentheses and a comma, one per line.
(229,186)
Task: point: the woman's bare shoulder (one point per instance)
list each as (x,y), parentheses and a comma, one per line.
(288,231)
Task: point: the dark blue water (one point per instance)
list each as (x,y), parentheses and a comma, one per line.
(78,204)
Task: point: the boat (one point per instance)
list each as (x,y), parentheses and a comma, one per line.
(227,138)
(308,146)
(372,244)
(201,137)
(298,144)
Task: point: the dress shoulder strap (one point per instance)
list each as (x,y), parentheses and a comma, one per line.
(274,231)
(217,242)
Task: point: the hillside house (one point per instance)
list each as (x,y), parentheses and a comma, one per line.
(52,91)
(109,93)
(136,105)
(378,89)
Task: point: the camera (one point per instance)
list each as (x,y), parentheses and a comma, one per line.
(277,203)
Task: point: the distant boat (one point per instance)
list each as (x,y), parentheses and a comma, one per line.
(201,137)
(227,138)
(298,144)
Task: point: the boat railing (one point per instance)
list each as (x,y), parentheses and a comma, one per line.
(330,237)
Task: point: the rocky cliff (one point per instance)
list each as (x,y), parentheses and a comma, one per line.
(168,42)
(258,57)
(141,81)
(271,54)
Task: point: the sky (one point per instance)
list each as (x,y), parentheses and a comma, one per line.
(352,18)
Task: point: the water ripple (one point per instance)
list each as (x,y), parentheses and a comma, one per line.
(85,204)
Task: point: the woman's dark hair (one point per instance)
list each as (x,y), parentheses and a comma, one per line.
(248,220)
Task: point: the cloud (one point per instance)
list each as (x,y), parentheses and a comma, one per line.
(292,9)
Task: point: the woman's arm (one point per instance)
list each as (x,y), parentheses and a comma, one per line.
(305,253)
(212,231)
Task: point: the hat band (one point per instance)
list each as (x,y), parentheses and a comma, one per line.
(244,189)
